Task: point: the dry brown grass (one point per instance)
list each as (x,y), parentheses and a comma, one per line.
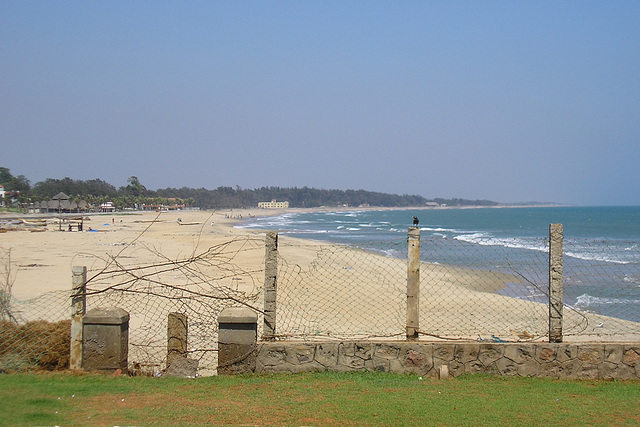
(35,345)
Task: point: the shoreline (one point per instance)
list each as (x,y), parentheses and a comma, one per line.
(42,261)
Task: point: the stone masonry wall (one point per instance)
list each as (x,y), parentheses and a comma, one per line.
(558,360)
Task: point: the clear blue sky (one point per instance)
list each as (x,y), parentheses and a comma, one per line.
(503,100)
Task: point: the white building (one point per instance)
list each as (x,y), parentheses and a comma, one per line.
(273,204)
(107,207)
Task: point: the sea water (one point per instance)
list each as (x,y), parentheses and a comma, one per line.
(601,244)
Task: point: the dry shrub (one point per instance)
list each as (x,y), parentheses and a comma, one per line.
(34,345)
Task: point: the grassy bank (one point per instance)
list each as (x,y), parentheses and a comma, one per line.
(314,399)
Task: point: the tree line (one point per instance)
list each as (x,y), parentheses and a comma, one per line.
(96,191)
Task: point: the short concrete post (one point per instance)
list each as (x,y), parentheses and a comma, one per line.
(237,339)
(413,284)
(270,285)
(555,282)
(78,309)
(105,340)
(177,332)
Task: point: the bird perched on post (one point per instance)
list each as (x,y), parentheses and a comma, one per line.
(415,221)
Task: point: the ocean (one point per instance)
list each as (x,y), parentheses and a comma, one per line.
(601,245)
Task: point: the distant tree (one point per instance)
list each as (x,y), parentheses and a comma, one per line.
(14,183)
(134,194)
(71,187)
(134,187)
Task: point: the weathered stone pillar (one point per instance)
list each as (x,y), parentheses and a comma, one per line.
(178,364)
(177,331)
(413,284)
(105,339)
(555,282)
(237,337)
(270,285)
(78,309)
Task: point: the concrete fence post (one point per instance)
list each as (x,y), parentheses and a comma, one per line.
(78,310)
(413,284)
(177,332)
(237,340)
(270,285)
(555,282)
(105,337)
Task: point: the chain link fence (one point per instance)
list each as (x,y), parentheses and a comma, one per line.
(481,290)
(35,333)
(341,292)
(199,285)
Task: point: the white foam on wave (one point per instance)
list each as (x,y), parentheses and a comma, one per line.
(603,257)
(341,213)
(632,279)
(583,253)
(606,251)
(473,237)
(280,221)
(391,253)
(304,231)
(442,230)
(585,301)
(484,239)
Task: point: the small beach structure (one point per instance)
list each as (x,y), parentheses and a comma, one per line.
(107,207)
(62,200)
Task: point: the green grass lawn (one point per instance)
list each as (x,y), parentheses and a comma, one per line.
(322,399)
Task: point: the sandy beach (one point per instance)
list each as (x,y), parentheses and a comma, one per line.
(42,261)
